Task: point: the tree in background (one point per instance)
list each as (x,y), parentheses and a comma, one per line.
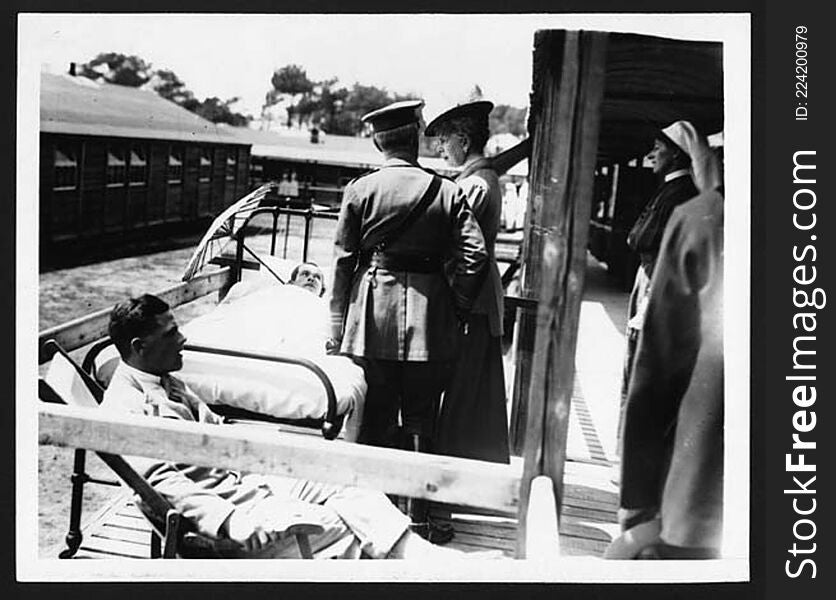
(132,71)
(169,86)
(119,69)
(361,100)
(291,83)
(507,119)
(324,105)
(218,111)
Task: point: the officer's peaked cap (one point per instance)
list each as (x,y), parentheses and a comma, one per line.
(394,115)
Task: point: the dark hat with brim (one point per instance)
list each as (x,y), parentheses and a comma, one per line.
(477,109)
(394,115)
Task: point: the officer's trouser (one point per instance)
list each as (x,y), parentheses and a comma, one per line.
(411,389)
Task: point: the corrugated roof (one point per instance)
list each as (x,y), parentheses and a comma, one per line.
(77,105)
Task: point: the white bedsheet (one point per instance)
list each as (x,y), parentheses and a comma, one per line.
(269,319)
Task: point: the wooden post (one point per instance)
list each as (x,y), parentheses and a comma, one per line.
(543,541)
(568,90)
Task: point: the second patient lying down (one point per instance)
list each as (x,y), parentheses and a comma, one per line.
(266,317)
(291,318)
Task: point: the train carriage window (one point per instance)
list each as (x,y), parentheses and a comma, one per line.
(175,166)
(116,167)
(205,165)
(231,164)
(138,167)
(66,169)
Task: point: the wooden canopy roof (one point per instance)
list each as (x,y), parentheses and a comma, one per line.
(649,83)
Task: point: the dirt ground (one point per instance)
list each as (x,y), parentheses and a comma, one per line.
(67,294)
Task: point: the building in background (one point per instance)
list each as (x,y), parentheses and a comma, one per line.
(121,164)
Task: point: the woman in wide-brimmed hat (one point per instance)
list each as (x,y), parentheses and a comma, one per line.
(473,417)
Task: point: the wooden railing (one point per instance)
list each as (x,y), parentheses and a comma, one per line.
(93,327)
(239,447)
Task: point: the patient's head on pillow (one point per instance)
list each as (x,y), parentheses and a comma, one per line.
(309,276)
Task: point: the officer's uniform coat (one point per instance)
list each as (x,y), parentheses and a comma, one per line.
(403,316)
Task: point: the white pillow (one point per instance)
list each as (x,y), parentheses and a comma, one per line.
(283,267)
(253,281)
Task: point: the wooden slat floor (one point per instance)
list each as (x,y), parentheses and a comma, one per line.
(587,524)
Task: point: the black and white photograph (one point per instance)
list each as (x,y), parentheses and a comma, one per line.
(386,297)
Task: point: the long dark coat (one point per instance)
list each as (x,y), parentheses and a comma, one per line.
(402,316)
(644,239)
(673,431)
(473,422)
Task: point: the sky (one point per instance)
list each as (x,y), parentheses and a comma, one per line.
(436,57)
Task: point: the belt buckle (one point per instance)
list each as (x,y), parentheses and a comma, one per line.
(376,257)
(374,262)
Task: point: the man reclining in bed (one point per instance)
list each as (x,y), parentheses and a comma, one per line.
(267,317)
(271,317)
(250,509)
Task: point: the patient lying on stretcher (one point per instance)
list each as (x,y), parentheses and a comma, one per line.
(273,318)
(290,318)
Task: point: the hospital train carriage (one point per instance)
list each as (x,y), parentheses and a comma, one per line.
(119,164)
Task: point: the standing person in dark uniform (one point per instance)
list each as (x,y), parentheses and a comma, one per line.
(391,304)
(671,160)
(473,422)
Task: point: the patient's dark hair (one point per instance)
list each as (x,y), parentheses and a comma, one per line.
(134,318)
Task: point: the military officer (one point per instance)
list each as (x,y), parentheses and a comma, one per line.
(391,304)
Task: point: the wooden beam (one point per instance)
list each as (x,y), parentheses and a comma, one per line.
(542,541)
(438,478)
(92,327)
(525,334)
(566,109)
(547,53)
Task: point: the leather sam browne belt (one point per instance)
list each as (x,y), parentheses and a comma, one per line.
(410,263)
